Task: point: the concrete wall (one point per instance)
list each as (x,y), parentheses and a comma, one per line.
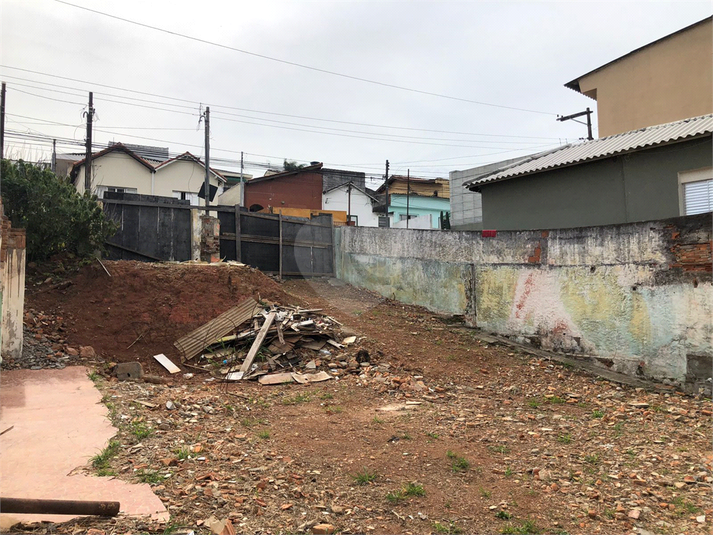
(636,298)
(466,205)
(417,222)
(665,82)
(635,187)
(12,290)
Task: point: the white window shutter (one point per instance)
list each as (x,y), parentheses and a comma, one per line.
(698,197)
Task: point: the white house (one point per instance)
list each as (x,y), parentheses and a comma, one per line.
(353,200)
(182,178)
(119,169)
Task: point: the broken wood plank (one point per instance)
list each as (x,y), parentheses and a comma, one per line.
(164,361)
(280,334)
(335,344)
(257,343)
(234,376)
(196,341)
(304,378)
(315,345)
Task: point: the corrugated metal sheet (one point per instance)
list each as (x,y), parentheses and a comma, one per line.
(604,147)
(194,342)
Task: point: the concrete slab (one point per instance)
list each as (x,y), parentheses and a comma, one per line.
(59,425)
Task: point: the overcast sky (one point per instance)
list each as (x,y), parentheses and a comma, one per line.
(506,54)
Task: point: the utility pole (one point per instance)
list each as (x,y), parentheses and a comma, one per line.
(88,158)
(2,121)
(387,194)
(572,117)
(207,159)
(54,155)
(408,191)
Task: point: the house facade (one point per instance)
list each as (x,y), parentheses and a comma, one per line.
(301,188)
(662,82)
(412,197)
(119,169)
(654,173)
(355,201)
(467,205)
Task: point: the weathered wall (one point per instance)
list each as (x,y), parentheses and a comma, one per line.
(636,298)
(12,270)
(640,186)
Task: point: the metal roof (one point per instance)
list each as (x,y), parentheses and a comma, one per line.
(601,148)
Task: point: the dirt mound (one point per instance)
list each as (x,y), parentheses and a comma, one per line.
(154,303)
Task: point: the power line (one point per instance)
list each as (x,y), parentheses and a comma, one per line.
(295,64)
(213,105)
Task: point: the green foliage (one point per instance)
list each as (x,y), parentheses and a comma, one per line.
(458,463)
(291,165)
(364,477)
(140,430)
(149,476)
(102,460)
(56,217)
(412,489)
(447,529)
(503,515)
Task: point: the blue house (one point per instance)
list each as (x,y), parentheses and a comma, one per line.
(413,197)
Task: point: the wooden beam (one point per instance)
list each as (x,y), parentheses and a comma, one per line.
(257,343)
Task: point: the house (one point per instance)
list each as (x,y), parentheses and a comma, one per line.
(355,201)
(183,177)
(664,81)
(466,205)
(120,169)
(336,177)
(300,188)
(412,197)
(652,173)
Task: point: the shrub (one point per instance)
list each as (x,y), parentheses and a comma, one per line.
(56,217)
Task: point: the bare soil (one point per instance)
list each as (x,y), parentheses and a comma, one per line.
(498,441)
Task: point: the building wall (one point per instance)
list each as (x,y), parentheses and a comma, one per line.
(633,187)
(665,82)
(119,170)
(635,298)
(338,199)
(333,177)
(418,206)
(230,197)
(301,190)
(183,176)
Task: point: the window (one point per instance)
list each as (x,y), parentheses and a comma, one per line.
(186,196)
(696,191)
(113,189)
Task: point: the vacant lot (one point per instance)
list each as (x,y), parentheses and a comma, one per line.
(476,438)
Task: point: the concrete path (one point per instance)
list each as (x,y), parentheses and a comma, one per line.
(59,423)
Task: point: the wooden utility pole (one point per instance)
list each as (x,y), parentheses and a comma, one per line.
(88,158)
(588,113)
(206,186)
(242,184)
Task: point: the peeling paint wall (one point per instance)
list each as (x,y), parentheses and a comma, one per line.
(12,268)
(635,298)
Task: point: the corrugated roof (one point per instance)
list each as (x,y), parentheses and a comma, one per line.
(601,148)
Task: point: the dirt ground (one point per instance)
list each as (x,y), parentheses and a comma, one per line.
(480,438)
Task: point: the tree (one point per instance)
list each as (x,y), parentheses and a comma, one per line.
(293,165)
(56,217)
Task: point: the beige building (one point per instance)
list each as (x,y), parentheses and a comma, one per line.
(665,81)
(119,169)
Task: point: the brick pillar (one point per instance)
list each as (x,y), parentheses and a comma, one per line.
(210,239)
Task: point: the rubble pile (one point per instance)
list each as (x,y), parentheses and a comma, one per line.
(274,344)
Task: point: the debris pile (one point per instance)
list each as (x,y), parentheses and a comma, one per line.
(277,344)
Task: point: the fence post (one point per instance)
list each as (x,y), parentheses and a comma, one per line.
(237,231)
(280,220)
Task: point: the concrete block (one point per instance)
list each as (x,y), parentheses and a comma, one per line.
(129,370)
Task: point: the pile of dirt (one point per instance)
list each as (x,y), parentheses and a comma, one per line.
(147,305)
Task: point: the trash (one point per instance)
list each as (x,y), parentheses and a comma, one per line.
(164,361)
(276,344)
